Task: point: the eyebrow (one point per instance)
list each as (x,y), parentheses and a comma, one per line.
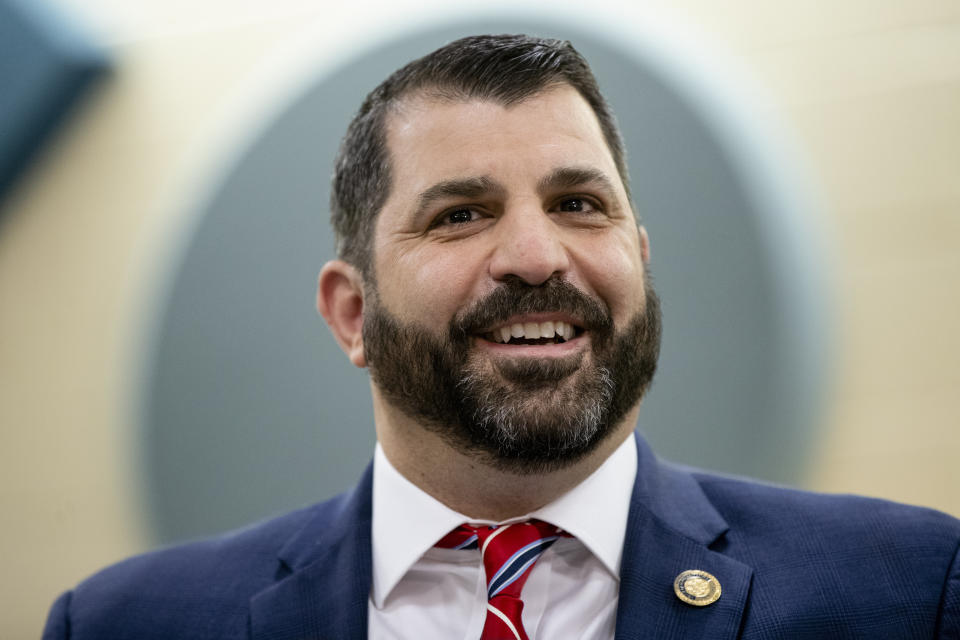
(569,177)
(471,188)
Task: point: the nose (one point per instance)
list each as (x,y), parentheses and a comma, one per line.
(529,246)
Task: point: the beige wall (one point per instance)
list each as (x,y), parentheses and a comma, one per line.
(870,89)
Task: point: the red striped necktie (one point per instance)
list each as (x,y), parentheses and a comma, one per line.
(509,553)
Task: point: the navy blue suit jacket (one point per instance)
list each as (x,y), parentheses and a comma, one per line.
(791,564)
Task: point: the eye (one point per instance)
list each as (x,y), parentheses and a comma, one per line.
(577,205)
(458,216)
(455,217)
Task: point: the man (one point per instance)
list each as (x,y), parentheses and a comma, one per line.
(493,278)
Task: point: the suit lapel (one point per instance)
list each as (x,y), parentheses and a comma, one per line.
(325,576)
(669,530)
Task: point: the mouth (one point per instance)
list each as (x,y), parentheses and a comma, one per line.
(533,331)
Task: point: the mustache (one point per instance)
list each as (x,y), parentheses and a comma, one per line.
(515,297)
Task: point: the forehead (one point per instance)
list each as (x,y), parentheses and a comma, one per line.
(431,139)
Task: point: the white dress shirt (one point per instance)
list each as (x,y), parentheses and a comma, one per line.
(426,593)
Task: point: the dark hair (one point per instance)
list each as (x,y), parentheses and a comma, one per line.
(504,68)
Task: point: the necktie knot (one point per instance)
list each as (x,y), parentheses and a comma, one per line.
(508,553)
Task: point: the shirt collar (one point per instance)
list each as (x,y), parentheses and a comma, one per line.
(595,512)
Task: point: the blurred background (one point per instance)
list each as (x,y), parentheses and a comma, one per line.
(163,374)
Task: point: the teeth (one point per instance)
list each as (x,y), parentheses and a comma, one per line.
(533,331)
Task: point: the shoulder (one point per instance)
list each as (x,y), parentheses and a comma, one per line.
(247,552)
(758,510)
(842,558)
(198,589)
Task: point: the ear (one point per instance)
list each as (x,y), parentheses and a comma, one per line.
(644,245)
(340,302)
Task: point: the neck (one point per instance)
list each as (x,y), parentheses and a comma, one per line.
(469,486)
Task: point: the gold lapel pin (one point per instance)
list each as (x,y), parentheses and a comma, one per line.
(697,587)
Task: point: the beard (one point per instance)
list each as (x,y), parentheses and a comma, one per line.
(523,415)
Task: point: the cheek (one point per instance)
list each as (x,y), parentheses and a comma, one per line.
(614,271)
(429,286)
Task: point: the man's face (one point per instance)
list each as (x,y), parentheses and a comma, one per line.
(511,311)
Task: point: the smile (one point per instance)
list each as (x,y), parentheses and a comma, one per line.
(533,332)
